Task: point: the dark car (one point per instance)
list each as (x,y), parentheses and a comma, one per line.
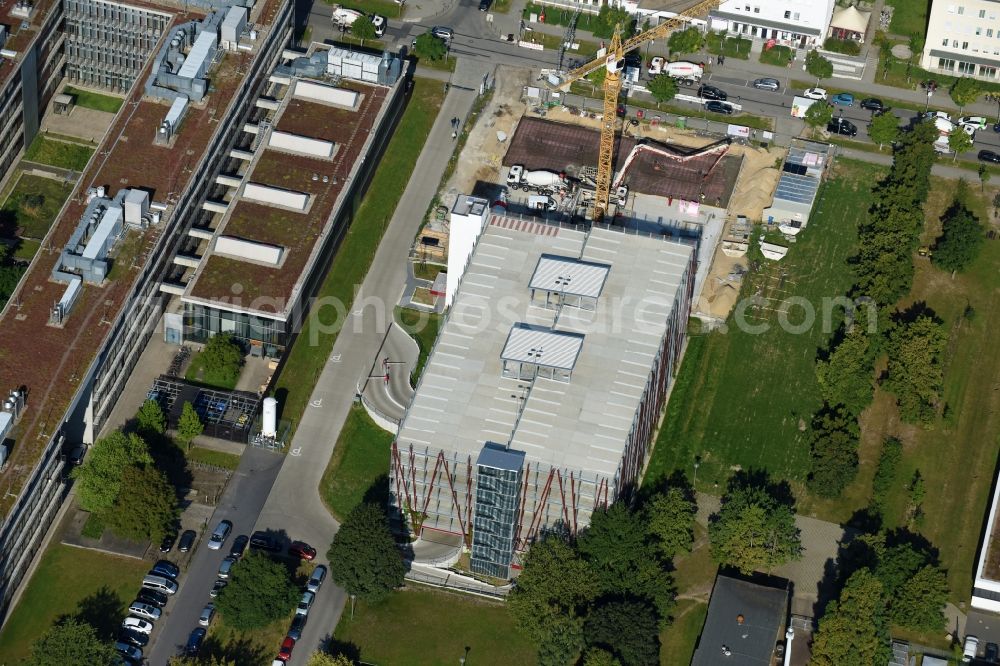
(302,550)
(263,541)
(298,624)
(841,126)
(165,568)
(167,544)
(195,640)
(989,156)
(133,638)
(719,107)
(152,597)
(187,540)
(711,92)
(872,104)
(992,653)
(996,127)
(239,545)
(484,5)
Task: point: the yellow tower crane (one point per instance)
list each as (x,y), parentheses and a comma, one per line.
(612,61)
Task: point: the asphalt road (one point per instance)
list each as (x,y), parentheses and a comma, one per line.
(240,503)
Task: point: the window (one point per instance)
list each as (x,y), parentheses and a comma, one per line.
(982,13)
(991,72)
(944,42)
(989,32)
(961,10)
(979,31)
(795,16)
(746,8)
(788,15)
(966,68)
(756,10)
(954,43)
(965,45)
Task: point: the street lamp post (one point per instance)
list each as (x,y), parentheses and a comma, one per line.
(697,463)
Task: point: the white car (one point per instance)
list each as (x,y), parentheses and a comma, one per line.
(656,66)
(971,649)
(316,579)
(137,624)
(815,93)
(977,122)
(207,613)
(219,535)
(144,610)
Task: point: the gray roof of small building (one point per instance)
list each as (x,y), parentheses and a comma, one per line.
(498,457)
(542,346)
(463,400)
(567,276)
(751,643)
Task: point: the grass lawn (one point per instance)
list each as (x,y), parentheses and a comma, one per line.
(908,17)
(427,270)
(71,581)
(359,465)
(424,327)
(895,73)
(424,626)
(745,398)
(224,379)
(58,153)
(93,527)
(442,65)
(95,101)
(677,641)
(214,458)
(777,55)
(299,372)
(24,214)
(731,47)
(26,249)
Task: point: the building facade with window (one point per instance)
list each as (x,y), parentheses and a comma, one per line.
(963,38)
(794,23)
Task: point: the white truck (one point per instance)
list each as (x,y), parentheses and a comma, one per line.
(344,17)
(685,72)
(539,179)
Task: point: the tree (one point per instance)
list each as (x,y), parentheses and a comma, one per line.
(608,18)
(260,591)
(753,530)
(222,358)
(72,643)
(686,41)
(662,87)
(847,376)
(597,76)
(624,559)
(885,473)
(962,237)
(853,630)
(363,29)
(959,142)
(915,374)
(564,640)
(430,47)
(325,659)
(189,426)
(919,603)
(670,520)
(599,657)
(835,438)
(363,557)
(984,176)
(818,66)
(884,129)
(965,91)
(146,507)
(628,628)
(99,479)
(210,660)
(150,419)
(818,114)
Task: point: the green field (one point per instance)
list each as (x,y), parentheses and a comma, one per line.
(71,581)
(95,101)
(32,206)
(677,641)
(62,154)
(741,397)
(424,626)
(304,362)
(909,17)
(359,464)
(215,458)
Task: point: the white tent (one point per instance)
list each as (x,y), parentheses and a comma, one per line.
(850,19)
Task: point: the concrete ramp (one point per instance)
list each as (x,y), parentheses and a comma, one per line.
(386,392)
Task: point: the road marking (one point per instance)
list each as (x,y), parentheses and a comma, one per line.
(357,313)
(335,358)
(297,451)
(316,403)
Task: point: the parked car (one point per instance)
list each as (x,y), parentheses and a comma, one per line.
(239,546)
(160,584)
(128,651)
(152,597)
(719,107)
(133,638)
(302,550)
(872,104)
(165,568)
(937,114)
(655,66)
(843,99)
(226,567)
(996,127)
(441,32)
(137,624)
(264,541)
(167,544)
(841,126)
(219,535)
(970,650)
(978,122)
(989,156)
(207,613)
(187,540)
(767,84)
(484,5)
(144,611)
(298,624)
(815,93)
(380,24)
(316,579)
(195,640)
(992,653)
(286,648)
(711,92)
(305,603)
(217,587)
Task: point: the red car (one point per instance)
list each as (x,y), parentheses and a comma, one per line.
(285,653)
(302,550)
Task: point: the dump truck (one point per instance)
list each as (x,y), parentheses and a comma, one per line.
(519,179)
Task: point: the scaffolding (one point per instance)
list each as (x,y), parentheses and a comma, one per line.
(226,415)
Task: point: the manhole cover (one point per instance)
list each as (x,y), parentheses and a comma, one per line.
(902,51)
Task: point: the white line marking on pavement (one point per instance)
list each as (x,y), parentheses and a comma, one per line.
(316,403)
(335,358)
(297,451)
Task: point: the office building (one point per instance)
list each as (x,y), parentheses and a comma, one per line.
(963,38)
(800,24)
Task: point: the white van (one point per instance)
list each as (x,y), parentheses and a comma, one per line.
(160,584)
(344,17)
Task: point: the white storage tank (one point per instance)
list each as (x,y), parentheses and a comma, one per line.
(270,425)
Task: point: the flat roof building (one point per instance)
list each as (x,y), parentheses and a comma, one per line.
(801,175)
(541,394)
(745,623)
